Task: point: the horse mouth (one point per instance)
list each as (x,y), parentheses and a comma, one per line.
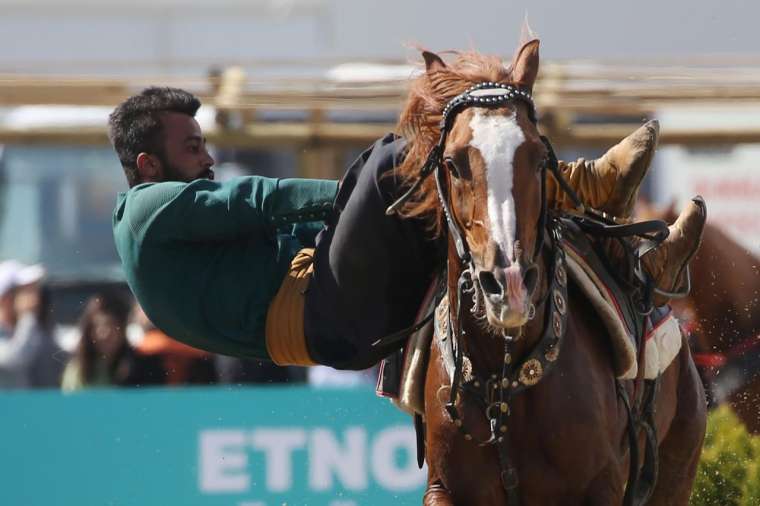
(507,300)
(507,316)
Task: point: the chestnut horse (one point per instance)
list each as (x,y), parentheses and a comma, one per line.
(723,318)
(522,434)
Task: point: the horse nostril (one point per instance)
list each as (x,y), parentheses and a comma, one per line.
(489,284)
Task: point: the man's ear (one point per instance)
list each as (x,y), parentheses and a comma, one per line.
(148,167)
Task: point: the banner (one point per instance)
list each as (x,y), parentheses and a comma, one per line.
(727,178)
(262,446)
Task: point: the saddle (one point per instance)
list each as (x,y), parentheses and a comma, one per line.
(619,311)
(402,375)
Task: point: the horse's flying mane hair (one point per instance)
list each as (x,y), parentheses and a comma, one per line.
(419,123)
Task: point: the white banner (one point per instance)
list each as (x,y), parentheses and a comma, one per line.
(728,179)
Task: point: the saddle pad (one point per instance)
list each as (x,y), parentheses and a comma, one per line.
(663,343)
(663,334)
(605,304)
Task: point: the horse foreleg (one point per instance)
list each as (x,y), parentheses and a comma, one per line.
(437,495)
(680,449)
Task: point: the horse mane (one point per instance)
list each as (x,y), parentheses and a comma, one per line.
(419,123)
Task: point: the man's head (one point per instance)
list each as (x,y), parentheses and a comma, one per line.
(20,291)
(157,137)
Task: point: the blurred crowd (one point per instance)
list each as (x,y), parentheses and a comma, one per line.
(116,345)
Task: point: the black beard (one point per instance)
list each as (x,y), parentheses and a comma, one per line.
(170,173)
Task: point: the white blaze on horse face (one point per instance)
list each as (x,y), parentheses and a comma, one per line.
(497,137)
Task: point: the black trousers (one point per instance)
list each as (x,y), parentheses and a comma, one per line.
(371,271)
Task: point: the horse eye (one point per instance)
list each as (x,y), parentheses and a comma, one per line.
(449,163)
(543,165)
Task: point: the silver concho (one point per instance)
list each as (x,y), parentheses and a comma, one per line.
(552,354)
(559,302)
(557,324)
(531,372)
(560,275)
(442,319)
(466,369)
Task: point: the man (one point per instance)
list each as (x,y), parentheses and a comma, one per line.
(29,356)
(224,266)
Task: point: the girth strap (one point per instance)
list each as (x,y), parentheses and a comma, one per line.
(641,482)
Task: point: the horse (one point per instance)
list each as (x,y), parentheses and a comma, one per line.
(523,418)
(721,314)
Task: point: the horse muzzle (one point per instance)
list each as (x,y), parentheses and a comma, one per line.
(507,293)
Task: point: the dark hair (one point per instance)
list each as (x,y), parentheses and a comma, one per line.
(135,125)
(118,307)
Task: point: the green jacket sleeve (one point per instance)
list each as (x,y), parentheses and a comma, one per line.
(205,210)
(205,258)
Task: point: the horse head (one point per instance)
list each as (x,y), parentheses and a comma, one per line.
(493,158)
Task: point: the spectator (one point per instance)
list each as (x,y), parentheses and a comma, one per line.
(103,356)
(176,363)
(29,356)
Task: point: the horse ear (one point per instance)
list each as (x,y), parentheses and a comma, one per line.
(433,62)
(525,64)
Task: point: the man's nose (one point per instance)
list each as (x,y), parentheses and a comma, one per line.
(208,162)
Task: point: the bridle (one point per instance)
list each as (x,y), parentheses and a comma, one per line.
(494,393)
(484,95)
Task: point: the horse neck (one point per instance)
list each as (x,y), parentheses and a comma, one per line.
(486,350)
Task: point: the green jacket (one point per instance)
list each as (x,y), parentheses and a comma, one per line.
(205,258)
